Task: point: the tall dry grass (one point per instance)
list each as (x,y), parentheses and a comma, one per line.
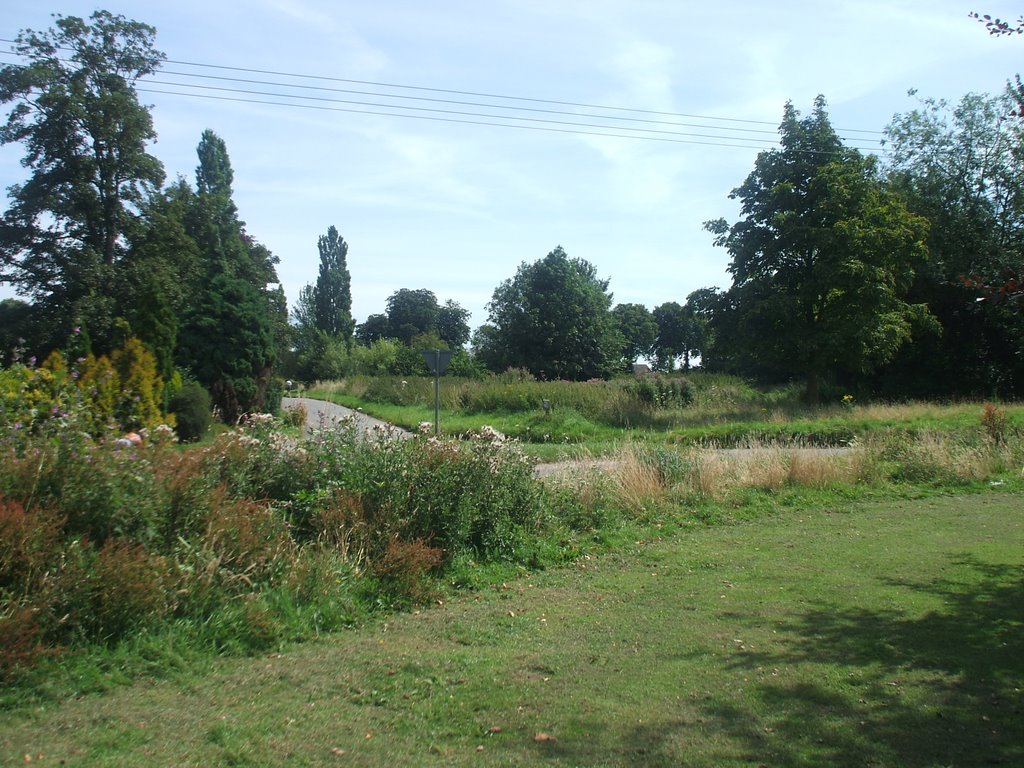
(638,477)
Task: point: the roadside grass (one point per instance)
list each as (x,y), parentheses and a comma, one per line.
(598,418)
(802,629)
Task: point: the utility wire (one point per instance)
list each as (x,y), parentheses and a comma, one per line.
(538,110)
(436,118)
(523,122)
(487,95)
(463,113)
(459,116)
(475,94)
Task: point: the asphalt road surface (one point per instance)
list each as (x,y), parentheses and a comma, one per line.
(320,411)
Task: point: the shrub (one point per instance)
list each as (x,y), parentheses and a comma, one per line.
(20,644)
(141,388)
(272,396)
(404,567)
(129,590)
(249,540)
(192,409)
(295,415)
(994,421)
(104,595)
(103,492)
(29,545)
(662,391)
(100,386)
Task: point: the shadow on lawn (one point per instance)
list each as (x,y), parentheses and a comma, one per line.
(944,689)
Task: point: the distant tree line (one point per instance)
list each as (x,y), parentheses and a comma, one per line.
(898,276)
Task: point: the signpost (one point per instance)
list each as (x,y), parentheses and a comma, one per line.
(437,361)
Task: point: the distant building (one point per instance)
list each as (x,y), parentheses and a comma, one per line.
(639,368)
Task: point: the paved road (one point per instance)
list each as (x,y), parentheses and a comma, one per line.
(320,411)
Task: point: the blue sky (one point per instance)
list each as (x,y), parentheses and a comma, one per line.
(455,208)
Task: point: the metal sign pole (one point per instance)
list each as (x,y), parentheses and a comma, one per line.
(437,361)
(437,386)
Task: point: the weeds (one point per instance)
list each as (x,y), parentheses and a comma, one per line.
(256,537)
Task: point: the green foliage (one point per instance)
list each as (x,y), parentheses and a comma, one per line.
(227,344)
(821,261)
(453,325)
(231,331)
(994,421)
(85,134)
(553,319)
(638,329)
(662,391)
(192,409)
(960,166)
(141,387)
(333,293)
(92,395)
(411,313)
(377,359)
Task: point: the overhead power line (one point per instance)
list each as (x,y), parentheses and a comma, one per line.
(486,95)
(408,102)
(436,118)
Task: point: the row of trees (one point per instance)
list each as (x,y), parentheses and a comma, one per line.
(102,252)
(898,276)
(866,274)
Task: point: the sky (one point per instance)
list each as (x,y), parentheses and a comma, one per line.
(455,206)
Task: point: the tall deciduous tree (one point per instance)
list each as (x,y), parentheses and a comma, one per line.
(333,294)
(453,324)
(638,330)
(679,335)
(554,319)
(411,313)
(962,167)
(822,257)
(85,135)
(375,328)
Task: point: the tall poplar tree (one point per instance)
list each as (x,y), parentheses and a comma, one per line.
(333,294)
(227,340)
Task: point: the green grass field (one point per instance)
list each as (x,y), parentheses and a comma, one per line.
(849,634)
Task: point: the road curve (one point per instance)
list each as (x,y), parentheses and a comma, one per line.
(322,412)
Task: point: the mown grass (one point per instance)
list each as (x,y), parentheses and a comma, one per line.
(820,632)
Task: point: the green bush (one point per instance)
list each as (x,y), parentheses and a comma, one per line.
(272,396)
(662,391)
(193,411)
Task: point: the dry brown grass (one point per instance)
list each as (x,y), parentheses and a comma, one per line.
(933,457)
(637,480)
(715,473)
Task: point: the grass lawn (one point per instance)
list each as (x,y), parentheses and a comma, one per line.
(869,634)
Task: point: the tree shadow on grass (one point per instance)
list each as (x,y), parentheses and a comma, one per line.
(943,689)
(858,687)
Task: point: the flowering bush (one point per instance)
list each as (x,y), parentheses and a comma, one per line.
(238,542)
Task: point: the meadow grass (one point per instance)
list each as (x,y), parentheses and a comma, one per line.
(825,632)
(723,411)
